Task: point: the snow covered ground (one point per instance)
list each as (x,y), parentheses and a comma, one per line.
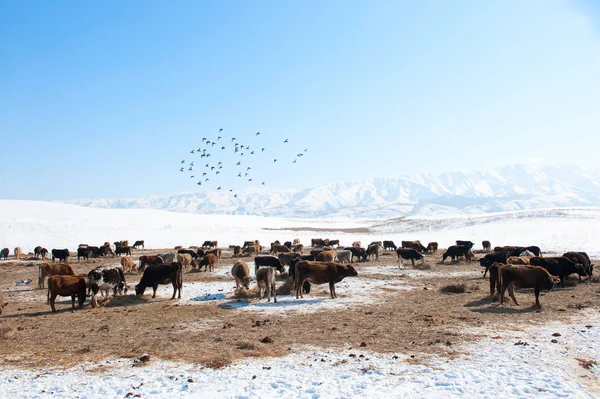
(493,367)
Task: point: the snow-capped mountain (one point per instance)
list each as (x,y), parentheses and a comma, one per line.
(509,188)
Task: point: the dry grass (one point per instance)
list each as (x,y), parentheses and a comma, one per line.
(287,288)
(243,293)
(587,363)
(422,266)
(454,289)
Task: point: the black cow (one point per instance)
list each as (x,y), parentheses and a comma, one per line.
(292,272)
(139,243)
(358,252)
(105,278)
(412,254)
(533,249)
(209,244)
(190,252)
(61,254)
(267,261)
(123,250)
(487,246)
(201,253)
(559,266)
(288,244)
(163,273)
(82,252)
(105,250)
(416,245)
(495,257)
(583,259)
(4,253)
(455,251)
(93,252)
(44,253)
(389,245)
(468,244)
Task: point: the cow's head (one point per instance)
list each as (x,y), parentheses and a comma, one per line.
(346,271)
(580,269)
(139,289)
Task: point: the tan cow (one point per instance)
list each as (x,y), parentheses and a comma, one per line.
(149,260)
(325,256)
(296,241)
(18,253)
(185,260)
(54,269)
(518,260)
(265,278)
(208,262)
(128,264)
(241,273)
(277,248)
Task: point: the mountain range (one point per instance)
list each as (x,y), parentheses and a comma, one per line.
(509,188)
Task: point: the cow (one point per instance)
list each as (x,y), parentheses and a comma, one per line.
(210,244)
(247,244)
(122,243)
(73,286)
(208,262)
(4,253)
(265,278)
(149,260)
(218,252)
(454,251)
(200,252)
(271,261)
(389,245)
(184,259)
(44,253)
(321,273)
(334,242)
(518,260)
(416,245)
(326,256)
(432,247)
(373,250)
(298,248)
(296,241)
(47,269)
(17,253)
(61,254)
(250,250)
(358,252)
(237,250)
(105,249)
(292,271)
(487,246)
(177,247)
(163,273)
(489,259)
(404,253)
(534,277)
(241,273)
(317,242)
(356,244)
(286,258)
(583,258)
(495,278)
(93,252)
(168,257)
(511,249)
(123,250)
(468,244)
(276,248)
(105,278)
(37,251)
(82,252)
(344,256)
(137,244)
(559,266)
(533,249)
(288,244)
(190,252)
(128,264)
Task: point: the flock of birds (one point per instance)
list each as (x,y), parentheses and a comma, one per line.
(213,163)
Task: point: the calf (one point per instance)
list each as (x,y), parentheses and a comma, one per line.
(46,270)
(149,260)
(105,278)
(455,251)
(271,261)
(534,277)
(489,259)
(61,254)
(325,256)
(73,286)
(432,247)
(137,244)
(559,266)
(208,262)
(389,245)
(411,254)
(4,253)
(373,250)
(344,256)
(358,252)
(128,264)
(163,273)
(321,273)
(265,278)
(241,273)
(487,246)
(17,253)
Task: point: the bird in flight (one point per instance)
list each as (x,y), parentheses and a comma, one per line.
(217,172)
(275,160)
(301,155)
(258,133)
(212,168)
(203,174)
(219,138)
(235,195)
(239,163)
(306,149)
(263,183)
(207,179)
(248,168)
(218,188)
(199,183)
(220,130)
(252,153)
(190,169)
(242,146)
(203,139)
(250,179)
(181,170)
(285,141)
(191,152)
(294,161)
(262,150)
(240,174)
(192,176)
(192,163)
(222,148)
(232,139)
(183,161)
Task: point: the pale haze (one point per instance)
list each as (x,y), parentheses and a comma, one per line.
(103,100)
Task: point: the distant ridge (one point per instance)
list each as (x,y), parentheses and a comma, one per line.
(510,188)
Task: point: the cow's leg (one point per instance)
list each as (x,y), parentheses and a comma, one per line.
(51,300)
(537,297)
(502,290)
(174,288)
(154,288)
(332,289)
(413,261)
(72,303)
(269,289)
(274,291)
(511,292)
(562,281)
(485,272)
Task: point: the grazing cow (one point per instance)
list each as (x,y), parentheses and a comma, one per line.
(177,247)
(344,256)
(128,264)
(149,260)
(287,258)
(373,250)
(321,273)
(105,249)
(37,251)
(358,252)
(46,270)
(137,244)
(288,244)
(356,244)
(241,273)
(73,286)
(495,284)
(184,259)
(317,242)
(389,245)
(276,248)
(105,278)
(487,246)
(489,259)
(164,273)
(265,278)
(82,252)
(326,256)
(416,245)
(190,252)
(296,241)
(210,244)
(44,253)
(61,254)
(582,258)
(518,260)
(17,253)
(334,242)
(168,257)
(218,252)
(432,247)
(271,261)
(208,262)
(200,252)
(533,249)
(251,250)
(93,252)
(247,244)
(298,248)
(123,250)
(559,266)
(534,277)
(237,250)
(455,251)
(468,244)
(404,253)
(4,253)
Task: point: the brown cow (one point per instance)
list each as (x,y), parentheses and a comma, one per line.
(317,242)
(237,250)
(216,252)
(149,260)
(494,270)
(321,273)
(184,259)
(208,262)
(286,258)
(487,246)
(251,250)
(518,260)
(73,286)
(123,250)
(298,248)
(275,249)
(17,253)
(534,277)
(432,247)
(47,270)
(128,264)
(241,273)
(334,242)
(265,278)
(325,256)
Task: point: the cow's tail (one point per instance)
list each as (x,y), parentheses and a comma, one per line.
(179,277)
(123,281)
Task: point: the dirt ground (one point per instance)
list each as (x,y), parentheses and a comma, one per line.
(418,321)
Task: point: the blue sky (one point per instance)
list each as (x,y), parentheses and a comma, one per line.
(104,99)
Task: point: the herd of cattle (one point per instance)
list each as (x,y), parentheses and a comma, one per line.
(326,262)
